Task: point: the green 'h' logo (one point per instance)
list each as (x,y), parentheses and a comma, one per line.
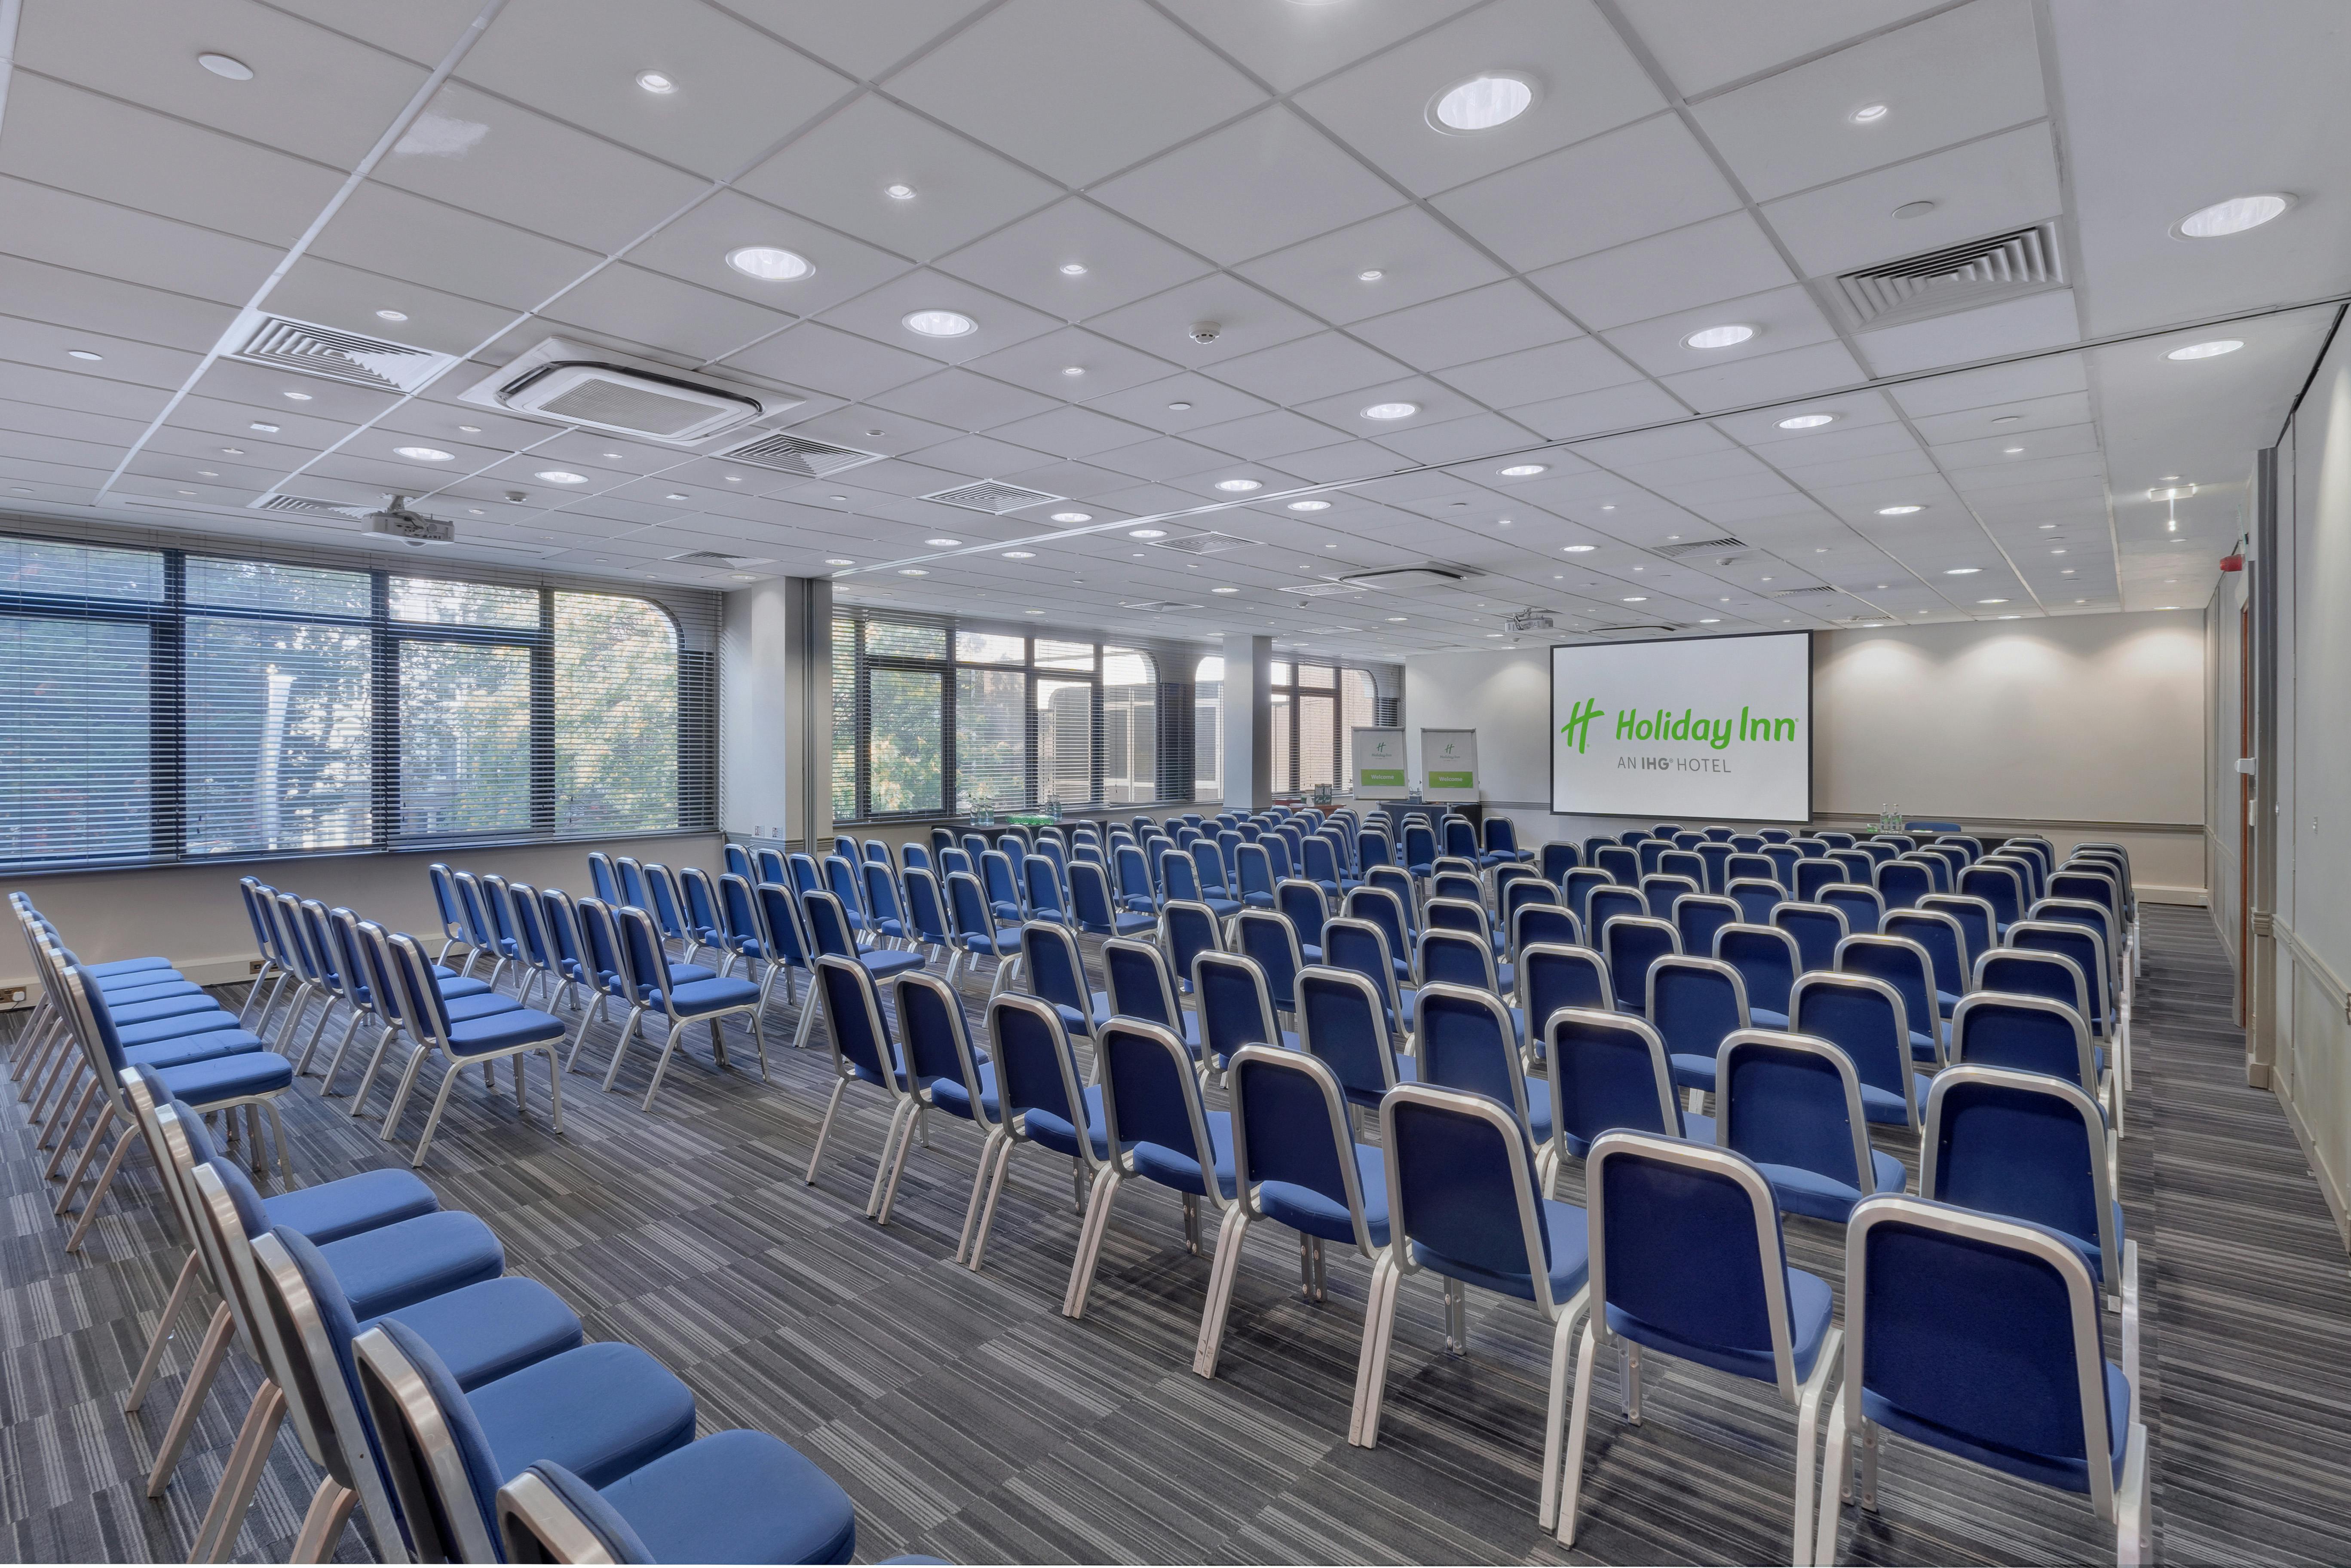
(1578,727)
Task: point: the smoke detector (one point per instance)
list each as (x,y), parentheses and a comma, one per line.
(597,389)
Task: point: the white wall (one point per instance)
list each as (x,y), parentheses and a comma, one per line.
(2086,726)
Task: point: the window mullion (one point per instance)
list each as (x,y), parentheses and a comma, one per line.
(385,650)
(167,742)
(542,718)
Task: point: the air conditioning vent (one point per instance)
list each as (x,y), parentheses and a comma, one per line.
(1209,543)
(285,344)
(1328,631)
(1809,594)
(1153,606)
(1320,589)
(1429,576)
(993,496)
(799,454)
(1640,631)
(1703,547)
(309,506)
(597,389)
(713,557)
(1957,278)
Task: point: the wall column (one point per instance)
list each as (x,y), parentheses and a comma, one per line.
(775,732)
(1248,722)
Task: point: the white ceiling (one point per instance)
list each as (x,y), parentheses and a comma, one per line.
(495,172)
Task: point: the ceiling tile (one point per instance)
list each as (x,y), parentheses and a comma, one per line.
(2020,417)
(1626,186)
(70,297)
(1158,460)
(2042,321)
(838,173)
(73,231)
(1450,441)
(1972,69)
(1207,402)
(1533,375)
(334,295)
(1289,46)
(1589,414)
(1704,45)
(1124,83)
(1274,433)
(737,91)
(1416,258)
(1345,460)
(1121,263)
(1766,377)
(1276,180)
(696,245)
(647,308)
(1784,318)
(51,347)
(874,429)
(829,359)
(1585,82)
(1721,258)
(2047,377)
(963,400)
(863,39)
(1986,187)
(1041,364)
(1310,368)
(401,234)
(1435,402)
(1068,432)
(1245,318)
(1476,324)
(880,314)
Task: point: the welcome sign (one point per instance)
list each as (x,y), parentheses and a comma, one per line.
(1448,763)
(1705,729)
(1379,763)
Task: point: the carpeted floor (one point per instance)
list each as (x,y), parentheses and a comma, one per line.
(971,1421)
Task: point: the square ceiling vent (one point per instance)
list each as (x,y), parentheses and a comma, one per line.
(1319,590)
(799,454)
(1956,278)
(308,507)
(1154,606)
(993,496)
(1209,543)
(713,557)
(354,359)
(1725,545)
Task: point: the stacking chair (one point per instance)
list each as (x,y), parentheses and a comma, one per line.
(1399,885)
(1373,848)
(1817,928)
(1882,848)
(1784,858)
(527,917)
(1699,915)
(1559,858)
(1003,886)
(1689,841)
(1658,1207)
(1362,948)
(1457,883)
(1053,968)
(1944,940)
(1159,1131)
(657,989)
(1320,863)
(1939,870)
(733,1497)
(1142,987)
(1254,870)
(975,845)
(2081,943)
(1577,889)
(1756,897)
(1694,1005)
(1227,845)
(1748,843)
(1302,903)
(885,913)
(1716,858)
(1090,906)
(1901,884)
(1863,909)
(1459,1168)
(1902,963)
(1136,891)
(1344,1022)
(1749,866)
(1609,1072)
(1555,975)
(1468,1040)
(1542,923)
(1040,888)
(699,912)
(783,932)
(1186,930)
(829,932)
(1461,838)
(2002,887)
(667,906)
(1460,914)
(863,1053)
(1295,1163)
(1382,907)
(483,1041)
(1631,943)
(977,934)
(1810,875)
(2034,1032)
(1859,865)
(1767,965)
(1649,851)
(1607,904)
(1865,1017)
(927,925)
(1987,1347)
(1418,847)
(1622,866)
(1236,1008)
(1214,887)
(1517,891)
(1792,1104)
(1457,959)
(1039,1102)
(1685,863)
(1659,892)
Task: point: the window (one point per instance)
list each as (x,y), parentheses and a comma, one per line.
(164,704)
(1315,710)
(931,719)
(1208,729)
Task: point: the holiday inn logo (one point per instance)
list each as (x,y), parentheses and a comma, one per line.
(1664,724)
(1578,727)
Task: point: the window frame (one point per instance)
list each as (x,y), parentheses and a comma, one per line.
(167,619)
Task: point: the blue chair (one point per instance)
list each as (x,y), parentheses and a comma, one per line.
(1866,1019)
(1092,908)
(1904,965)
(1295,1163)
(1227,844)
(1774,835)
(1142,986)
(1631,943)
(1159,1131)
(1785,857)
(629,942)
(698,913)
(1768,964)
(926,912)
(1469,1041)
(863,1053)
(2000,886)
(1659,892)
(667,906)
(1212,887)
(1041,887)
(1187,929)
(1901,884)
(1396,882)
(1302,904)
(1953,860)
(1344,1022)
(481,1041)
(1469,919)
(831,934)
(1939,870)
(783,931)
(1687,864)
(1465,1204)
(943,1072)
(1460,837)
(1979,1336)
(1380,906)
(977,932)
(1577,888)
(1457,959)
(1812,875)
(2031,1034)
(1688,1261)
(1055,970)
(1609,1072)
(1254,870)
(1697,916)
(1319,860)
(1940,936)
(1607,904)
(2081,944)
(1864,910)
(685,1507)
(1649,851)
(1747,843)
(1236,1007)
(1817,929)
(1793,1104)
(1136,891)
(1835,838)
(886,913)
(1419,851)
(1361,946)
(601,876)
(1555,975)
(1620,862)
(1039,1102)
(1715,858)
(1541,924)
(1749,867)
(1003,885)
(1559,858)
(1695,1004)
(1373,848)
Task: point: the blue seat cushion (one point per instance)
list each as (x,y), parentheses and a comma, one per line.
(1945,1001)
(1764,1018)
(454,988)
(1176,1168)
(2066,1474)
(1123,924)
(492,1329)
(225,1078)
(692,999)
(1222,909)
(120,995)
(1539,1110)
(1922,1047)
(1258,900)
(1809,1309)
(192,1047)
(177,1027)
(1693,1071)
(735,1496)
(1807,1192)
(1885,1107)
(600,1411)
(350,1205)
(505,1030)
(128,967)
(482,1004)
(1570,1259)
(1077,1022)
(384,1269)
(1319,1214)
(1053,1132)
(687,974)
(950,1095)
(883,965)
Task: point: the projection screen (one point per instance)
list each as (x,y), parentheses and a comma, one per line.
(1698,730)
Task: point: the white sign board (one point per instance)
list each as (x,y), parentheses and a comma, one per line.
(1380,768)
(1448,764)
(1710,730)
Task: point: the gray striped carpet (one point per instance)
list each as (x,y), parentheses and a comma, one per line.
(970,1420)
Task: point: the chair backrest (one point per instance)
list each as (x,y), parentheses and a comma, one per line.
(1002,886)
(2024,1034)
(1135,875)
(1227,844)
(882,901)
(1188,928)
(1859,865)
(1140,984)
(769,866)
(1464,1039)
(1036,1067)
(566,946)
(1865,1018)
(1462,1188)
(1748,843)
(784,925)
(927,906)
(1792,1100)
(806,875)
(828,926)
(1557,858)
(938,1036)
(1631,943)
(1686,864)
(738,910)
(1950,1314)
(1236,1004)
(1835,838)
(1342,1022)
(2027,1146)
(1456,957)
(1254,871)
(1939,932)
(1361,946)
(841,879)
(1373,848)
(1040,881)
(1774,835)
(1695,1004)
(2025,972)
(853,1020)
(1179,876)
(1903,963)
(1607,904)
(1519,890)
(1548,924)
(1090,901)
(1649,851)
(1301,903)
(665,905)
(1783,856)
(1460,886)
(1291,1128)
(1655,1203)
(525,919)
(1756,897)
(1699,915)
(2089,915)
(1621,864)
(1863,909)
(1055,968)
(1817,929)
(1209,860)
(1267,935)
(444,1474)
(2095,886)
(1577,887)
(1659,892)
(1554,975)
(601,876)
(1901,884)
(1419,846)
(1456,915)
(640,946)
(2001,887)
(1460,837)
(1608,1071)
(1767,962)
(2081,944)
(701,902)
(1715,858)
(1395,880)
(1383,908)
(1812,875)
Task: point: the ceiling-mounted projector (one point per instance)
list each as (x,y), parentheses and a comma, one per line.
(597,389)
(1531,620)
(415,528)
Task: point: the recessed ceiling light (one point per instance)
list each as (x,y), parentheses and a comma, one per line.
(1240,484)
(2233,216)
(770,264)
(391,315)
(1806,421)
(940,323)
(899,192)
(1073,516)
(423,454)
(1370,275)
(474,511)
(471,429)
(1224,591)
(1179,408)
(1073,370)
(1073,270)
(614,456)
(1909,210)
(1493,633)
(1481,103)
(562,476)
(655,82)
(2010,451)
(300,397)
(1309,506)
(1709,619)
(837,560)
(187,492)
(2212,350)
(1032,613)
(1578,549)
(943,544)
(1962,571)
(2009,419)
(1608,509)
(913,571)
(1523,470)
(1902,511)
(2020,617)
(677,496)
(745,576)
(265,429)
(1992,601)
(1394,618)
(225,66)
(82,354)
(1021,555)
(1721,337)
(1636,599)
(1867,114)
(1392,411)
(1146,533)
(734,478)
(232,450)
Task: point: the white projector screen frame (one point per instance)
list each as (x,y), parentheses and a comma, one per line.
(1724,686)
